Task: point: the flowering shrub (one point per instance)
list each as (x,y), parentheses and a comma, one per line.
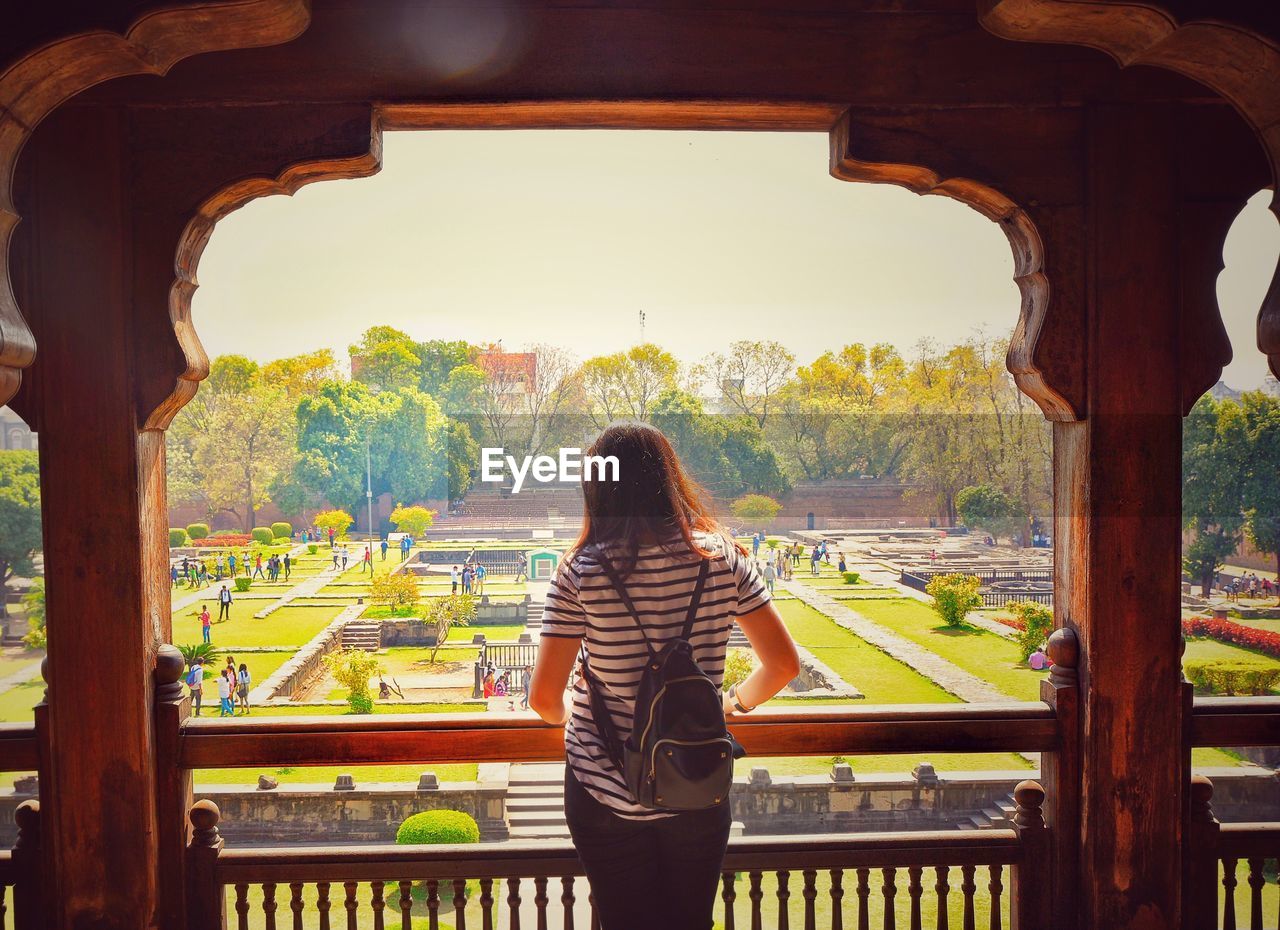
(1014,622)
(1231,678)
(223,540)
(1237,634)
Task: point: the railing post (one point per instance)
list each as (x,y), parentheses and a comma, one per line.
(29,911)
(1200,894)
(1030,900)
(173,785)
(1060,775)
(206,902)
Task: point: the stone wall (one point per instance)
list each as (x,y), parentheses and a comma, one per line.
(414,632)
(290,679)
(852,503)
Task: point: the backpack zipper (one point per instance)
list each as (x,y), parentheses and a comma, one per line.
(653,755)
(658,697)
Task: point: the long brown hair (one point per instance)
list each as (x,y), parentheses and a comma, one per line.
(653,502)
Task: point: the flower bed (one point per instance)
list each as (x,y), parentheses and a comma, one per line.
(224,539)
(1237,634)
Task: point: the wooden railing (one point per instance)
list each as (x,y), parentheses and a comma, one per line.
(357,886)
(1215,852)
(20,885)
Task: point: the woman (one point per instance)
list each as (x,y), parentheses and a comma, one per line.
(647,867)
(243,680)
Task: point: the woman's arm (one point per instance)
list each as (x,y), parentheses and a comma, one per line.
(556,655)
(773,646)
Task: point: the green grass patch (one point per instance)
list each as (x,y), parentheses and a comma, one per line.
(883,679)
(979,652)
(389,707)
(325,774)
(286,627)
(16,704)
(944,762)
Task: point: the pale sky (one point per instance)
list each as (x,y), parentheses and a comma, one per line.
(565,236)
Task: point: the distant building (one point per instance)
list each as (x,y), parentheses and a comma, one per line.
(514,372)
(16,433)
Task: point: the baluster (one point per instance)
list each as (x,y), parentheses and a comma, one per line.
(269,905)
(889,890)
(295,903)
(996,887)
(460,903)
(486,903)
(864,899)
(351,904)
(837,899)
(756,895)
(540,900)
(728,894)
(1256,881)
(1229,895)
(242,906)
(914,889)
(943,889)
(322,904)
(376,903)
(810,895)
(433,903)
(967,888)
(784,896)
(513,903)
(566,900)
(406,906)
(3,909)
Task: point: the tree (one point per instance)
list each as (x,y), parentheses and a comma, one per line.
(626,384)
(954,596)
(439,358)
(385,357)
(988,508)
(231,445)
(1215,475)
(749,376)
(19,517)
(412,520)
(353,669)
(444,613)
(398,591)
(1262,484)
(728,454)
(1037,624)
(755,509)
(336,520)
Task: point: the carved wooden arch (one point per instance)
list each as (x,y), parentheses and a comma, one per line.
(1240,64)
(45,77)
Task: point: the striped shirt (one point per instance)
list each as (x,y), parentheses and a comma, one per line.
(582,604)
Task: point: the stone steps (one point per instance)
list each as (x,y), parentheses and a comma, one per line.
(366,635)
(535,802)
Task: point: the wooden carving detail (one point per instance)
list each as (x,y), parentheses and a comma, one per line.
(33,86)
(1241,65)
(1058,401)
(195,236)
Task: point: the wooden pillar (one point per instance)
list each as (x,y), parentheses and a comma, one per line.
(102,482)
(174,786)
(1117,484)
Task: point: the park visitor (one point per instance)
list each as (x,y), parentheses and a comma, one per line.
(405,543)
(195,681)
(343,550)
(204,622)
(453,580)
(478,580)
(466,579)
(288,564)
(224,695)
(649,556)
(368,560)
(526,678)
(331,535)
(840,564)
(224,604)
(769,576)
(384,548)
(243,680)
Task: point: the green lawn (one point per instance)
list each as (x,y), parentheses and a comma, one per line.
(888,764)
(325,774)
(390,707)
(979,652)
(288,626)
(15,662)
(261,666)
(16,704)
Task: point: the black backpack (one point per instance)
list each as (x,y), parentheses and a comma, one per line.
(679,755)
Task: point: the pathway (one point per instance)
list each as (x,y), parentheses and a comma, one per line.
(947,675)
(204,594)
(890,580)
(308,587)
(24,674)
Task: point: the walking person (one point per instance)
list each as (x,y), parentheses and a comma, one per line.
(453,580)
(224,604)
(770,575)
(231,564)
(257,567)
(384,548)
(225,709)
(526,679)
(368,560)
(344,558)
(288,565)
(477,581)
(243,680)
(204,622)
(650,556)
(195,682)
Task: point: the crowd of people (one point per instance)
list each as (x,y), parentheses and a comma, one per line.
(497,683)
(780,562)
(203,572)
(1248,585)
(471,577)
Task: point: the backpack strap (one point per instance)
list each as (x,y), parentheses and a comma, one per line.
(616,582)
(703,570)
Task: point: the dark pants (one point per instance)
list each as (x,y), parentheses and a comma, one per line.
(648,873)
(224,610)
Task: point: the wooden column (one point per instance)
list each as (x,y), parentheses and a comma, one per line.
(1117,484)
(103,518)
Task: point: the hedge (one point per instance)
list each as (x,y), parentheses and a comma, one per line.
(263,535)
(197,530)
(851,577)
(282,530)
(177,537)
(224,540)
(1237,634)
(1224,676)
(442,827)
(242,583)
